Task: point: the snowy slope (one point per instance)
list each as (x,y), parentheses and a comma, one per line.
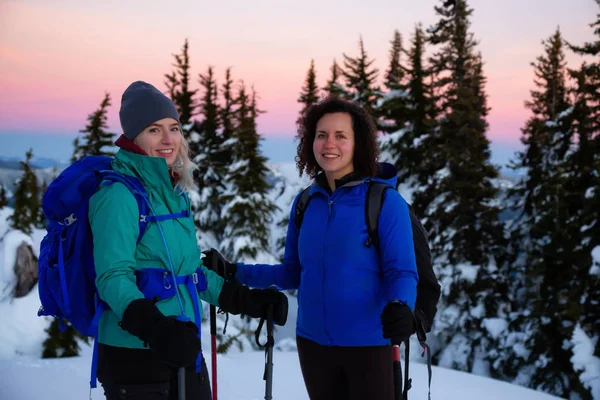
(239,378)
(22,334)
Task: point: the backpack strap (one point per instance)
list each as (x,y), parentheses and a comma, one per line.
(301,207)
(137,190)
(373,205)
(141,196)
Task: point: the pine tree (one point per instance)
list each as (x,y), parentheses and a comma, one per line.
(360,80)
(247,212)
(178,84)
(393,108)
(41,218)
(309,94)
(226,115)
(458,200)
(546,235)
(95,136)
(395,72)
(25,212)
(61,344)
(585,167)
(334,88)
(212,169)
(3,199)
(414,113)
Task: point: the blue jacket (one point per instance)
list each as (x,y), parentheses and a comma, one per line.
(343,285)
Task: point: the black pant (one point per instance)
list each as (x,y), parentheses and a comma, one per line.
(138,374)
(346,373)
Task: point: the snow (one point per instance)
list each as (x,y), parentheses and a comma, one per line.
(583,360)
(21,330)
(467,272)
(240,377)
(566,113)
(589,193)
(595,269)
(495,326)
(11,241)
(22,333)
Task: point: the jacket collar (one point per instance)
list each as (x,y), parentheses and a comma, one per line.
(386,173)
(127,144)
(348,179)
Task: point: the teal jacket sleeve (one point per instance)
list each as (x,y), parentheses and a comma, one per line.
(113,215)
(213,291)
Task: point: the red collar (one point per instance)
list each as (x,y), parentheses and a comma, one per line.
(127,144)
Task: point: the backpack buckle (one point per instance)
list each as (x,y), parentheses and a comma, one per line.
(167,283)
(195,278)
(69,220)
(143,218)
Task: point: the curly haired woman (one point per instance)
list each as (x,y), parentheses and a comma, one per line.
(352,298)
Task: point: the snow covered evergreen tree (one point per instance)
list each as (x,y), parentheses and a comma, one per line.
(361,77)
(211,168)
(585,166)
(459,198)
(3,199)
(60,344)
(392,107)
(247,211)
(178,84)
(26,208)
(412,112)
(550,267)
(95,137)
(333,87)
(310,91)
(41,218)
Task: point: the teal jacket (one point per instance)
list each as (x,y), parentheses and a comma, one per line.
(114,216)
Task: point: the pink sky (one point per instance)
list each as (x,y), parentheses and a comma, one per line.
(57,58)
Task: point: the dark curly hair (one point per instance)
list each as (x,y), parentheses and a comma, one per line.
(366,147)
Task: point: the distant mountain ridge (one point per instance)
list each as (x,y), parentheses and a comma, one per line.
(36,163)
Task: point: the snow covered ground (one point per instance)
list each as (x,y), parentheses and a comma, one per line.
(24,376)
(239,378)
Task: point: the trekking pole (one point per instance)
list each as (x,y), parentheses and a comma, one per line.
(269,363)
(181,383)
(268,346)
(213,339)
(213,348)
(397,367)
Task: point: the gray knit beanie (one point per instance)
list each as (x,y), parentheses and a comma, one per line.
(141,105)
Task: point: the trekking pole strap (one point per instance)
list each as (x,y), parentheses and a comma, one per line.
(270,340)
(427,349)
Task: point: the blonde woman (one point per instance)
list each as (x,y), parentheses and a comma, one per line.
(153,285)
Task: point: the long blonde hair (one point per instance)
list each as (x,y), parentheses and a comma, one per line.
(184,167)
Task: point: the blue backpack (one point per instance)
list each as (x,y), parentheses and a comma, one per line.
(67,275)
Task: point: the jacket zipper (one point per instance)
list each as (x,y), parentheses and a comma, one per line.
(330,204)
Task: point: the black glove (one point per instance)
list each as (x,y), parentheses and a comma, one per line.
(214,261)
(237,299)
(398,322)
(176,342)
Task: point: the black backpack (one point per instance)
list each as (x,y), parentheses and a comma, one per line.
(428,288)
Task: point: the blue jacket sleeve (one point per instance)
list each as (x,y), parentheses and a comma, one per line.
(398,261)
(285,276)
